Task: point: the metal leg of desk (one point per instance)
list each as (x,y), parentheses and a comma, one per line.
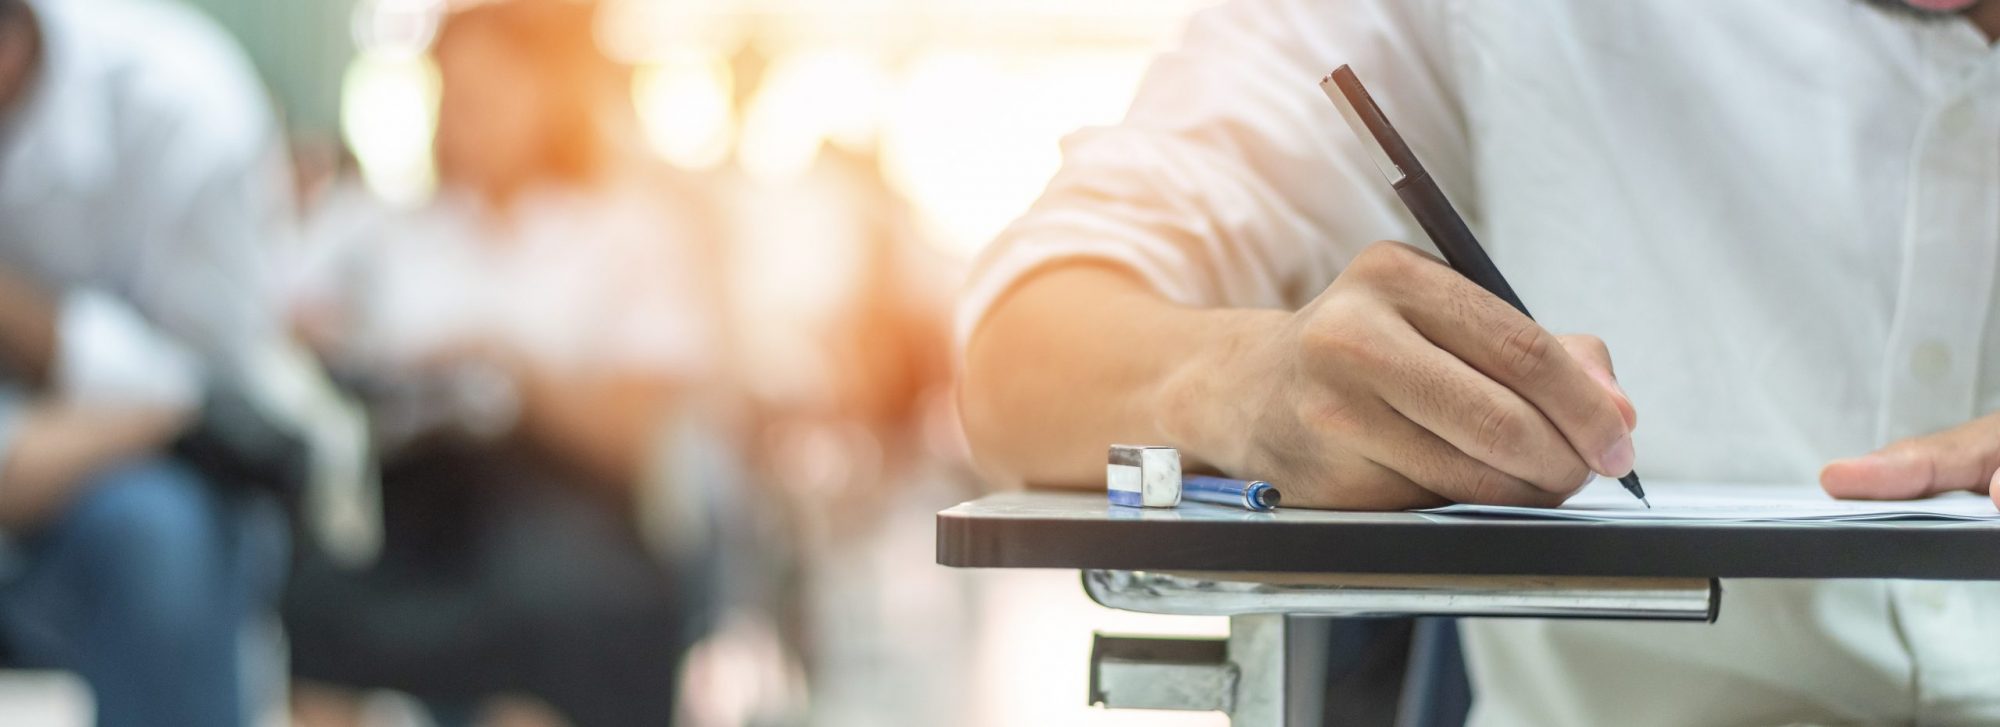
(1282,670)
(1270,672)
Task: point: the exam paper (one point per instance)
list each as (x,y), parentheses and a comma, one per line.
(1605,501)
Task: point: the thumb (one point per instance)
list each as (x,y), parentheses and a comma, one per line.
(1595,358)
(1962,458)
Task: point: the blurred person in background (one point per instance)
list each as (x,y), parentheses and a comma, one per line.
(141,181)
(521,339)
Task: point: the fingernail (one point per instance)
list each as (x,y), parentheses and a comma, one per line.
(1617,460)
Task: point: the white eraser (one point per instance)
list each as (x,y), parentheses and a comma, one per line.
(1139,476)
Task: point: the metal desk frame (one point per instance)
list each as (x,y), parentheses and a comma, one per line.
(1271,668)
(1279,576)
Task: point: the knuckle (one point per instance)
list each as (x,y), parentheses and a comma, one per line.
(1524,352)
(1591,345)
(1499,431)
(1384,261)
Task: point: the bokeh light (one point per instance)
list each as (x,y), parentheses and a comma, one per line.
(684,104)
(972,139)
(388,108)
(809,97)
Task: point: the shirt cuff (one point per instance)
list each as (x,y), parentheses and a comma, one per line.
(107,354)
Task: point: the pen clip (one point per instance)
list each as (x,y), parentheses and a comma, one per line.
(1385,147)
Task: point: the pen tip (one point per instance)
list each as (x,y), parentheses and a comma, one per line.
(1646,502)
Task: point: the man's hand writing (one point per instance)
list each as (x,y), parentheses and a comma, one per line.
(1406,385)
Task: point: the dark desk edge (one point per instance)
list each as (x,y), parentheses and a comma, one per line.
(1939,551)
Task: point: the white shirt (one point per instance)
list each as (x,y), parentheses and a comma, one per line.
(1783,216)
(142,179)
(578,280)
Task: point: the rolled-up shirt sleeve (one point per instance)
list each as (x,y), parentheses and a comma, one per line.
(1232,181)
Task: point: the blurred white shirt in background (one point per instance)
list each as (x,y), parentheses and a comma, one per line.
(143,180)
(576,280)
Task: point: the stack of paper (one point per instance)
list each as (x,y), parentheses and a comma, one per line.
(1604,500)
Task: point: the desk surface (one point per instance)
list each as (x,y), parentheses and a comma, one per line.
(1081,530)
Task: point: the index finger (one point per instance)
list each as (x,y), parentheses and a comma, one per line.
(1510,348)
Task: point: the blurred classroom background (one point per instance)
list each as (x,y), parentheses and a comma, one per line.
(821,172)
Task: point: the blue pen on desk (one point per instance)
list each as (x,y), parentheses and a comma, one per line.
(1255,495)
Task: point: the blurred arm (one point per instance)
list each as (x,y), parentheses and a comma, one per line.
(603,423)
(27,329)
(50,444)
(52,448)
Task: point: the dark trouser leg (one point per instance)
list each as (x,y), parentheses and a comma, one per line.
(546,591)
(601,625)
(144,588)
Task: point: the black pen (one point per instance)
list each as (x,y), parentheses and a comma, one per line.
(1425,200)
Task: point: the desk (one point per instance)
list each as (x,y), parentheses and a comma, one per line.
(1277,575)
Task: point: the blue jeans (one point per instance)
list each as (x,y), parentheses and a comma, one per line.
(145,588)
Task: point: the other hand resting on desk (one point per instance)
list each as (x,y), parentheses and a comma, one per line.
(1966,457)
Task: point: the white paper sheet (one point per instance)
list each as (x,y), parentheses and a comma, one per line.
(1604,500)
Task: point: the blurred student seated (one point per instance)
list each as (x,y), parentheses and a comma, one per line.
(520,342)
(141,181)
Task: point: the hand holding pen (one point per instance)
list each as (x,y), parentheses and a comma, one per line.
(1405,384)
(1399,165)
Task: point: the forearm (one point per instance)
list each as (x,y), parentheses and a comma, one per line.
(1081,357)
(57,447)
(27,329)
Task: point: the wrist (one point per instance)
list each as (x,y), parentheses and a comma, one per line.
(1208,402)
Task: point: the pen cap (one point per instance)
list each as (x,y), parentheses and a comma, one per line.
(1143,476)
(1385,146)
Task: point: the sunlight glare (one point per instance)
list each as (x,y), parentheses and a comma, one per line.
(972,140)
(684,105)
(811,96)
(387,112)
